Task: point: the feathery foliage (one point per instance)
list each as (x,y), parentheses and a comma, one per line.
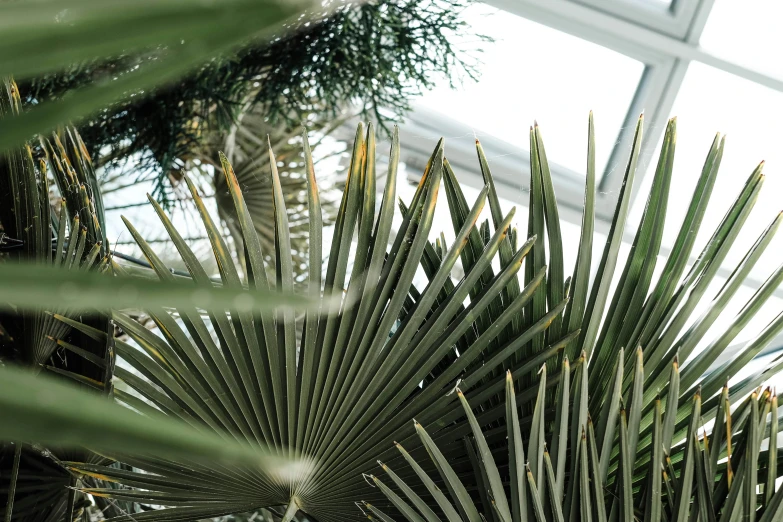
(176,37)
(377,54)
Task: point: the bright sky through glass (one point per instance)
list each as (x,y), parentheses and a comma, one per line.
(748,33)
(535,72)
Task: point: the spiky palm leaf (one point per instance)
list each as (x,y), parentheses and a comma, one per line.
(245,147)
(351,384)
(679,473)
(626,375)
(71,239)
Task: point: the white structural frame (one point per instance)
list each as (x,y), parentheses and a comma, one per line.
(665,38)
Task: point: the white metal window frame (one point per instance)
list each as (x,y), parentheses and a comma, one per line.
(597,21)
(664,38)
(673,19)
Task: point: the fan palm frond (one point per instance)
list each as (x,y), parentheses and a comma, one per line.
(68,242)
(653,385)
(246,147)
(679,473)
(348,384)
(340,387)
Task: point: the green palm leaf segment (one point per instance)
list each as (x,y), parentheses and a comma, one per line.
(629,417)
(340,384)
(43,410)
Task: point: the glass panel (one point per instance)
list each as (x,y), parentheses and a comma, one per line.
(747,33)
(535,72)
(130,201)
(711,100)
(643,4)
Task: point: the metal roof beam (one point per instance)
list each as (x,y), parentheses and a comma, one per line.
(622,35)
